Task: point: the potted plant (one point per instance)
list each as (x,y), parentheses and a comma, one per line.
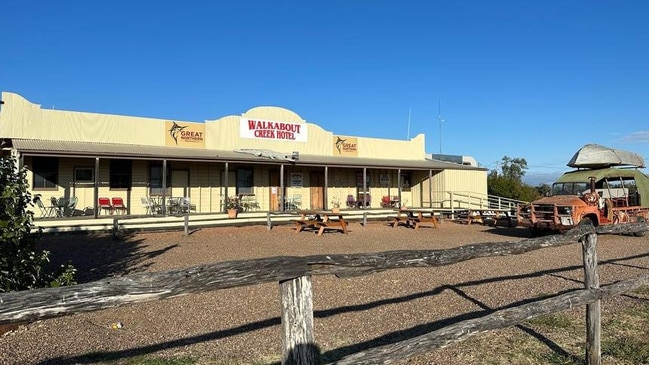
(233,206)
(335,205)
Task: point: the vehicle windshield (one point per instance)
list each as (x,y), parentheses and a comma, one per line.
(569,188)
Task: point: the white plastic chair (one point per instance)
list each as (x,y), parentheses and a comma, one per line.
(185,205)
(297,201)
(147,203)
(45,211)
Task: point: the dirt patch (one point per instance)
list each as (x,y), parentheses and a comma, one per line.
(242,325)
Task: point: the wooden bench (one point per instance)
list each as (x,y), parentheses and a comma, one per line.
(421,220)
(338,224)
(395,221)
(416,221)
(320,221)
(303,224)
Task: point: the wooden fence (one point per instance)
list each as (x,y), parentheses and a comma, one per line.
(294,277)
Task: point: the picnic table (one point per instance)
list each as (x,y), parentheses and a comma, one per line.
(320,220)
(482,215)
(415,217)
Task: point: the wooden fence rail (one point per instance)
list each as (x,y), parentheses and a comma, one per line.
(294,277)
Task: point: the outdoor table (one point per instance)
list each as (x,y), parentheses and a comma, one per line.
(173,205)
(481,215)
(415,217)
(320,220)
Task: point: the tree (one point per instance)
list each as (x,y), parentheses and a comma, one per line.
(513,168)
(544,189)
(509,183)
(21,267)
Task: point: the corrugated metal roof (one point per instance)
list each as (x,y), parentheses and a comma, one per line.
(113,150)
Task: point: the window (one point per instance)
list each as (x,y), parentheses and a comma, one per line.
(46,172)
(84,174)
(120,174)
(244,181)
(359,180)
(297,180)
(569,188)
(406,182)
(155,179)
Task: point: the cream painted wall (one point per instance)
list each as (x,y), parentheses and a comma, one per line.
(224,134)
(20,118)
(467,187)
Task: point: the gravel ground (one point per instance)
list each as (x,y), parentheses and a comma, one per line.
(241,325)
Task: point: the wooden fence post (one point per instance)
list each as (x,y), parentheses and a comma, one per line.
(298,346)
(593,311)
(187,224)
(115,228)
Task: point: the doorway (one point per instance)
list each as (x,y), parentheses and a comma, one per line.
(273,194)
(316,191)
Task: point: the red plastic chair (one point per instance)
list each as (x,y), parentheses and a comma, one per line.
(105,206)
(118,205)
(385,201)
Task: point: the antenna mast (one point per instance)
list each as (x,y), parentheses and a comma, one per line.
(439,117)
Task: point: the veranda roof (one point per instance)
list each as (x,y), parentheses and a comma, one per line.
(33,147)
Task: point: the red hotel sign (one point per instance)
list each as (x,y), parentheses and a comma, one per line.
(267,129)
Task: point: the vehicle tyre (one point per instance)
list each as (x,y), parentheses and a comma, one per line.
(585,221)
(643,233)
(535,232)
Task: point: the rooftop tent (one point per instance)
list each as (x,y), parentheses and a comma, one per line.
(596,156)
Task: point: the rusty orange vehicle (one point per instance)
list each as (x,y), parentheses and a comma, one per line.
(601,191)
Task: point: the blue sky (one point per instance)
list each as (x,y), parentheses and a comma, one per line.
(529,79)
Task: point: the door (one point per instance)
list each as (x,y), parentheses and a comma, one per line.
(273,203)
(316,181)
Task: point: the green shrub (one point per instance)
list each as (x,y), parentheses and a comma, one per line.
(21,267)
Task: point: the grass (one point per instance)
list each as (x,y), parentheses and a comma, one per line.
(628,340)
(635,351)
(560,338)
(624,334)
(555,320)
